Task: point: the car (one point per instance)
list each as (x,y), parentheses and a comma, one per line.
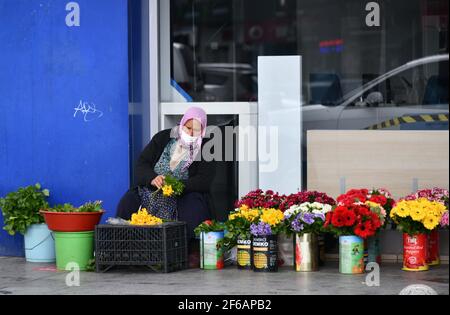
(419,87)
(228,82)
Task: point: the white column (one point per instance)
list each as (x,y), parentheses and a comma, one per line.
(279,123)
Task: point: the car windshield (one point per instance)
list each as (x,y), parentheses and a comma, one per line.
(413,65)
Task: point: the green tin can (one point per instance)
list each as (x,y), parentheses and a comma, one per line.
(211,257)
(351,254)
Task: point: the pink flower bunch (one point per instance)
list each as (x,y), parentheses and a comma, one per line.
(444,220)
(435,194)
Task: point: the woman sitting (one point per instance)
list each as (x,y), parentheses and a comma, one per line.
(178,152)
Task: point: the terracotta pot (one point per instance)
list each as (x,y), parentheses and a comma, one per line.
(72,221)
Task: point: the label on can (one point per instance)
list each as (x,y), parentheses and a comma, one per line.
(415,252)
(244,252)
(433,248)
(265,253)
(210,256)
(351,254)
(306,253)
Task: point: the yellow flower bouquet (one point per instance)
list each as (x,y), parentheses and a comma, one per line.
(417,216)
(142,217)
(172,187)
(238,225)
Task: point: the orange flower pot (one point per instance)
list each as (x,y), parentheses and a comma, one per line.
(72,221)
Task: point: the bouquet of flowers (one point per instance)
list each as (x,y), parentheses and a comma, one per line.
(306,218)
(238,224)
(379,201)
(209,226)
(418,215)
(435,194)
(383,197)
(270,222)
(142,217)
(260,199)
(361,219)
(305,196)
(172,187)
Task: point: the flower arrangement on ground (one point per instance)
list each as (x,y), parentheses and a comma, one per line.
(270,222)
(260,199)
(305,196)
(209,226)
(306,218)
(417,215)
(363,220)
(238,225)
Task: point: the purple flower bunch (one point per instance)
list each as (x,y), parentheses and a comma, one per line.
(261,228)
(305,219)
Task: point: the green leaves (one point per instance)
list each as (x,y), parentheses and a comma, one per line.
(21,208)
(95,206)
(176,184)
(209,226)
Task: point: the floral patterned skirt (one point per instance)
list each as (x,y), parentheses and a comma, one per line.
(157,204)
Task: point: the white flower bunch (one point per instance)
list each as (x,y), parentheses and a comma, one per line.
(315,207)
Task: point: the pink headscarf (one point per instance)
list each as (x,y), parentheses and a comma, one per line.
(198,114)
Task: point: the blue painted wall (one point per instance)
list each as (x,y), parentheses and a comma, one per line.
(46,70)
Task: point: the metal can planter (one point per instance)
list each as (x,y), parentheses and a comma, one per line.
(372,253)
(265,253)
(306,252)
(321,241)
(211,257)
(433,258)
(415,252)
(244,253)
(351,254)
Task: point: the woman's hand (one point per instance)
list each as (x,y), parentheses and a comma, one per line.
(158,181)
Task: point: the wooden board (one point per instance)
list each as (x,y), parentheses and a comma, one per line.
(397,160)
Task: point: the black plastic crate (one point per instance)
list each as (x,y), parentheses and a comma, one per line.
(163,247)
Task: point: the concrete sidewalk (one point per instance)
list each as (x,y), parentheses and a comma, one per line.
(19,277)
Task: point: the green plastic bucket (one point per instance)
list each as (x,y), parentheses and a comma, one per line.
(73,248)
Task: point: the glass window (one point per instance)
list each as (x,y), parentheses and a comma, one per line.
(221,40)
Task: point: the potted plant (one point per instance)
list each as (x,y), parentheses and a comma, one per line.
(302,197)
(21,214)
(416,218)
(305,221)
(438,195)
(265,233)
(67,218)
(381,200)
(352,223)
(211,233)
(238,234)
(74,232)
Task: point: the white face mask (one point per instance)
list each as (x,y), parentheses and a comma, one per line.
(187,138)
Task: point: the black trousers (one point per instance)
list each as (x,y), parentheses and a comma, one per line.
(192,209)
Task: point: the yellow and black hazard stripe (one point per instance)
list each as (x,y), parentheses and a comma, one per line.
(409,120)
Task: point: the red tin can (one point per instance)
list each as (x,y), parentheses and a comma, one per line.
(415,252)
(433,258)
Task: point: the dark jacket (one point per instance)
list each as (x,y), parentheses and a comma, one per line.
(201,173)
